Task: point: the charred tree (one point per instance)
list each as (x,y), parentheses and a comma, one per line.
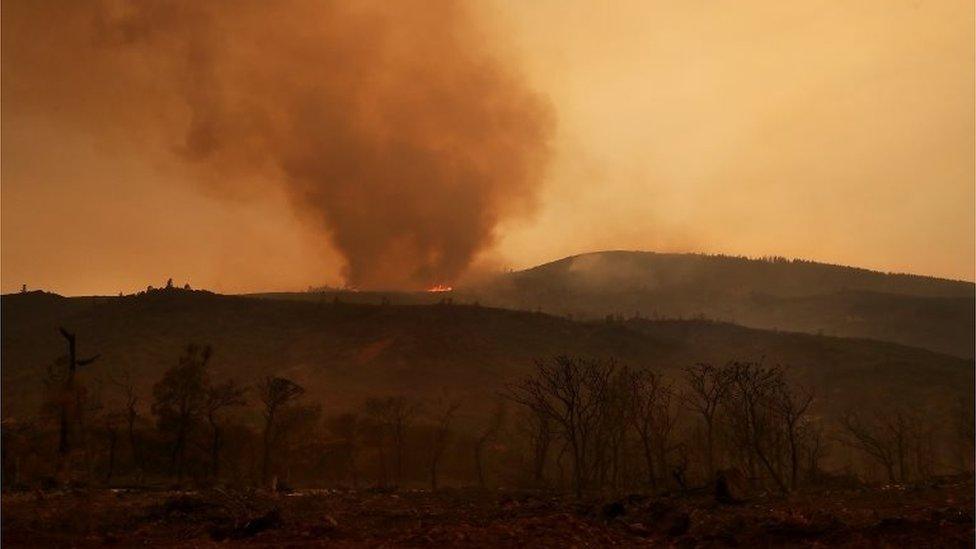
(485,437)
(179,401)
(219,397)
(68,399)
(443,413)
(275,393)
(570,393)
(708,386)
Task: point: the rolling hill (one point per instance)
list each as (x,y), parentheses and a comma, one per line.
(803,296)
(344,352)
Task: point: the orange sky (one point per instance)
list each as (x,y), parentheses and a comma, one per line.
(834,131)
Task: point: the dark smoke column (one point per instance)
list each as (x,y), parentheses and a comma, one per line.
(393,126)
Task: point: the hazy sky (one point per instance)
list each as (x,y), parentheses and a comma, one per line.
(835,131)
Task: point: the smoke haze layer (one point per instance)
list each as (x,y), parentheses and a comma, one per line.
(395,129)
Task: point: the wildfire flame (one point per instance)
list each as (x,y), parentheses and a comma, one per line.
(440,288)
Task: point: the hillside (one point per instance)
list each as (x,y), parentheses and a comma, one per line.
(344,352)
(919,311)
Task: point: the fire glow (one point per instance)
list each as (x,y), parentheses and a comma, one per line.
(440,288)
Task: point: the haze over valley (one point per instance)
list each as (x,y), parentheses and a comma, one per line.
(487,273)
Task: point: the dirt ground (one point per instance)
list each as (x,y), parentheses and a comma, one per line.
(897,516)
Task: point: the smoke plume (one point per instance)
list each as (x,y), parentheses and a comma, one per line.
(396,128)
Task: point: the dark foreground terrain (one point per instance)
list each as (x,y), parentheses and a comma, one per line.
(895,516)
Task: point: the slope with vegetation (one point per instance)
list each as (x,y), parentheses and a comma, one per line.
(349,351)
(772,293)
(707,425)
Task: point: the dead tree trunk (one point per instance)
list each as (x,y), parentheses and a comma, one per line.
(130,419)
(484,439)
(68,397)
(444,415)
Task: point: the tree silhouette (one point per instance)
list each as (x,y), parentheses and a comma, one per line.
(347,428)
(179,400)
(650,415)
(791,406)
(275,393)
(707,386)
(891,437)
(749,408)
(393,416)
(569,392)
(68,395)
(131,414)
(220,396)
(485,437)
(442,412)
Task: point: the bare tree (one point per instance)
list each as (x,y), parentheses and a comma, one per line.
(791,406)
(749,407)
(69,394)
(707,387)
(220,396)
(538,429)
(814,449)
(894,439)
(394,415)
(664,424)
(110,422)
(485,437)
(871,440)
(130,413)
(612,435)
(442,413)
(179,399)
(275,393)
(898,428)
(646,389)
(90,413)
(347,428)
(569,392)
(295,431)
(376,430)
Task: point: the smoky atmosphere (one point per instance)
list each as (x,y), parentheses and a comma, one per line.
(487,273)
